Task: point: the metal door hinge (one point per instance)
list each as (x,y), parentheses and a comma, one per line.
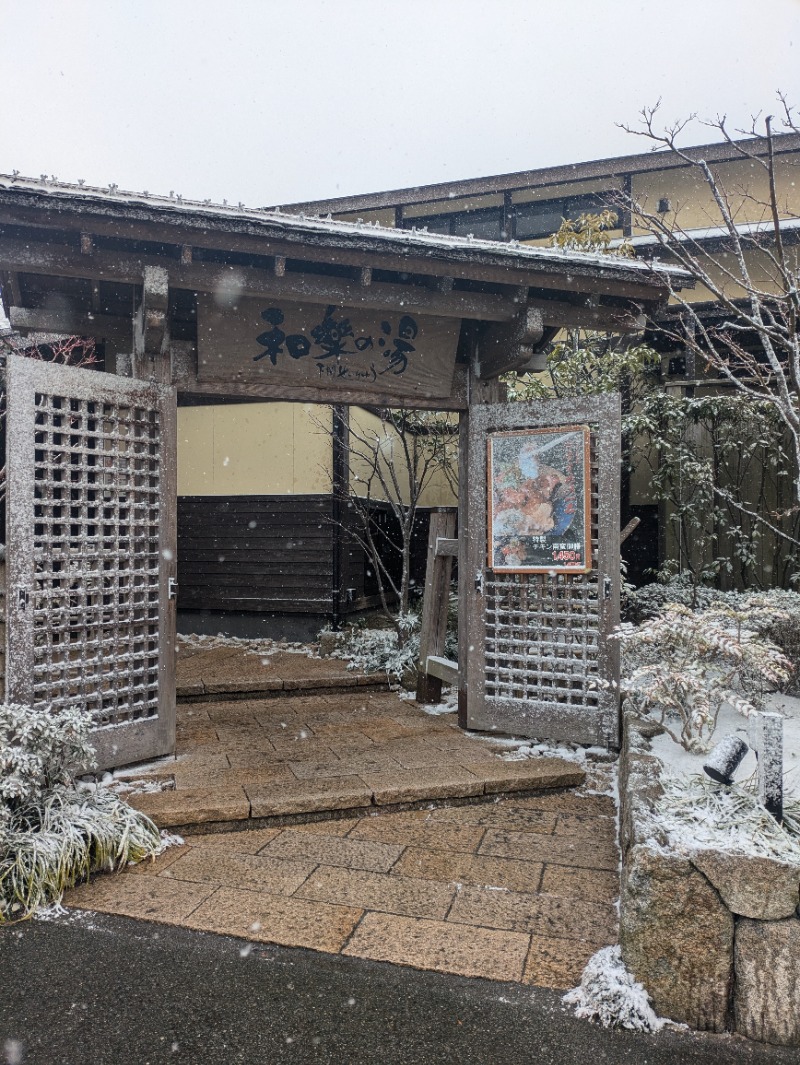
(172,588)
(607,587)
(479,582)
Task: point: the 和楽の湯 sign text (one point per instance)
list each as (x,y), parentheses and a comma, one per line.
(326,347)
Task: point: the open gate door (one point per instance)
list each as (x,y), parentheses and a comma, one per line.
(90,547)
(541,574)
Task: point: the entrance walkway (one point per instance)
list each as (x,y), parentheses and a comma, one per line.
(333,841)
(513,889)
(317,740)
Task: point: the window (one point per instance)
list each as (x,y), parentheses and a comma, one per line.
(543,217)
(486,224)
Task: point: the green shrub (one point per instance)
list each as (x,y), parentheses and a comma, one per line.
(55,831)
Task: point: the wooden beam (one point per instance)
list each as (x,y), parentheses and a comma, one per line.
(442,668)
(60,260)
(446,548)
(506,346)
(629,528)
(211,277)
(258,390)
(41,320)
(435,602)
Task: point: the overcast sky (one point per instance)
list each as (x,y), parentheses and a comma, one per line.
(272,101)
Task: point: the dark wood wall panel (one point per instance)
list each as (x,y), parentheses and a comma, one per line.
(274,554)
(269,554)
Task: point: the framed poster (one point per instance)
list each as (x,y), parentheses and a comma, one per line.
(538,501)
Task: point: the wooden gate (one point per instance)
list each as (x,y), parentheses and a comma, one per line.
(535,651)
(90,540)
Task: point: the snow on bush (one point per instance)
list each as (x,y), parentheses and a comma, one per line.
(648,601)
(53,831)
(695,813)
(774,614)
(264,646)
(609,995)
(388,651)
(683,664)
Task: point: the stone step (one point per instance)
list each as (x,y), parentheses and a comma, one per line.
(281,802)
(224,691)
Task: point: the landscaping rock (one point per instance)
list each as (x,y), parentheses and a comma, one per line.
(677,938)
(767,999)
(762,888)
(640,788)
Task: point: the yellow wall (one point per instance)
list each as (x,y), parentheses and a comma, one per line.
(566,190)
(438,493)
(383,218)
(471,203)
(745,182)
(253,449)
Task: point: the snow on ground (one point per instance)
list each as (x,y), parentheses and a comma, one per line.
(680,763)
(264,646)
(697,814)
(609,995)
(141,787)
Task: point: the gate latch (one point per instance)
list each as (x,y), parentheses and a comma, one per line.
(479,582)
(607,587)
(22,598)
(172,588)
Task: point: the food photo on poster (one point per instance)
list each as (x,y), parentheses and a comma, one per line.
(538,496)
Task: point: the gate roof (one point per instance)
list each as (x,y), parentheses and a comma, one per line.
(54,235)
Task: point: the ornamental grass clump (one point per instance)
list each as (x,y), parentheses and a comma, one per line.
(55,831)
(682,665)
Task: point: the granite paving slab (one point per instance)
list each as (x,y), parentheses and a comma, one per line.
(410,888)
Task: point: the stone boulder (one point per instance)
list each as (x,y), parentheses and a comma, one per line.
(677,938)
(762,888)
(767,998)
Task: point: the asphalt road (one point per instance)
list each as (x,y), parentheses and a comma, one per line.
(114,991)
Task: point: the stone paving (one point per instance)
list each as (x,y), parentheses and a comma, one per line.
(349,821)
(313,755)
(508,889)
(205,671)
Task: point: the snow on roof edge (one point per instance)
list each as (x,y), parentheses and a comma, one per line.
(315,224)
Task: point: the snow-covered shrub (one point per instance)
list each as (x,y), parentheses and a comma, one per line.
(54,831)
(775,614)
(609,995)
(695,812)
(381,650)
(682,665)
(38,751)
(639,604)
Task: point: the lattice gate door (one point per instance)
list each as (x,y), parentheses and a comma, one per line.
(536,645)
(90,541)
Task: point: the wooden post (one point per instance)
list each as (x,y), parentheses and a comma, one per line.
(434,605)
(765,732)
(340,460)
(151,354)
